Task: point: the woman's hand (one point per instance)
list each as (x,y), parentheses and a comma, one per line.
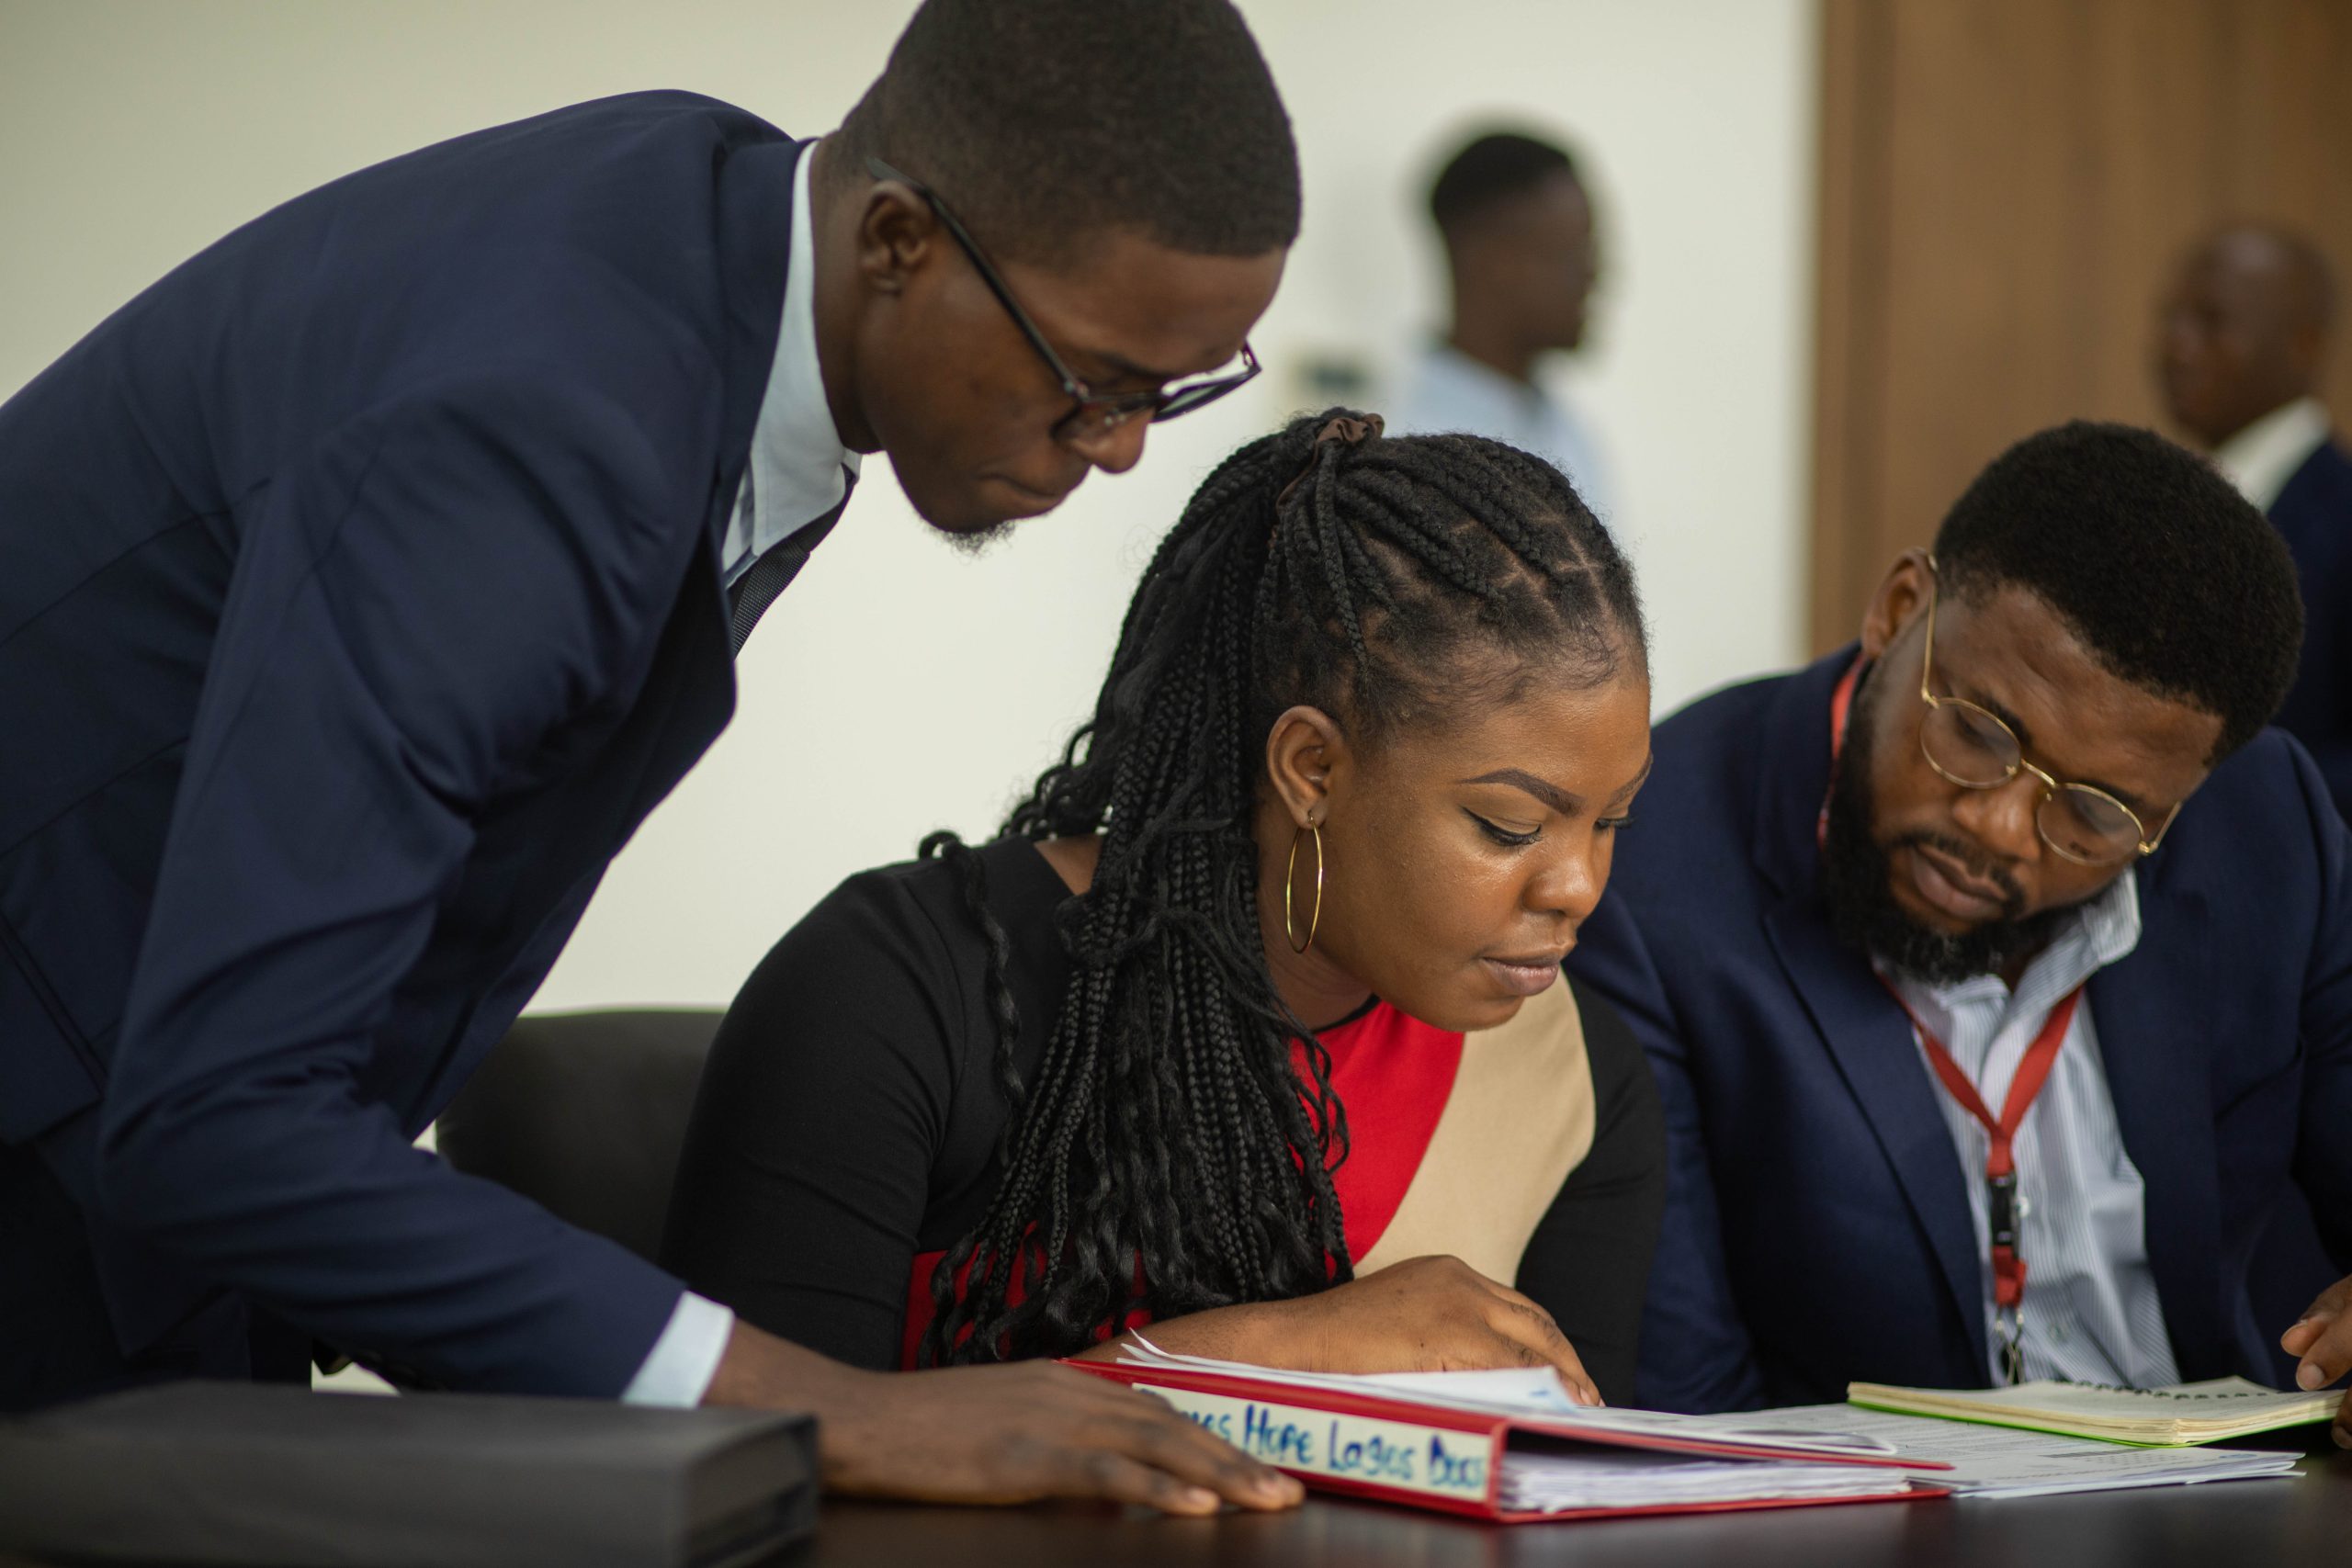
(1426,1314)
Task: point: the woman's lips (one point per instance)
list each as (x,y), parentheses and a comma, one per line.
(1525,976)
(1946,885)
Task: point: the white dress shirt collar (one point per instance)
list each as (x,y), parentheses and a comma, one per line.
(797,458)
(2263,456)
(2099,931)
(2092,1312)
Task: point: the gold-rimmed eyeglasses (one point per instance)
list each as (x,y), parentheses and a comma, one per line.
(1973,747)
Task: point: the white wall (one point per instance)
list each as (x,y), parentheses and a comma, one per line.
(899,687)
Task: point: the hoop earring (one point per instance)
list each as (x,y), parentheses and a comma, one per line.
(1290,876)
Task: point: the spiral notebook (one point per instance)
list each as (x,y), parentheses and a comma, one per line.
(2171,1416)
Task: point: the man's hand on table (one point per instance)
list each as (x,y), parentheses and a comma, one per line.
(994,1434)
(2323,1338)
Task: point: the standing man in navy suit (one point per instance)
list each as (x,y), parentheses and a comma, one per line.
(2243,343)
(1997,971)
(366,580)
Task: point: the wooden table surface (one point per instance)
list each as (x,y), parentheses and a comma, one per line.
(2278,1523)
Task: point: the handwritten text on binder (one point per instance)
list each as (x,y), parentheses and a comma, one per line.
(1403,1454)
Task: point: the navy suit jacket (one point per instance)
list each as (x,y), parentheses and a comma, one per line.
(358,597)
(2314,513)
(1817,1229)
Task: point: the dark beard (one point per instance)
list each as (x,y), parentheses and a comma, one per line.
(976,541)
(1857,877)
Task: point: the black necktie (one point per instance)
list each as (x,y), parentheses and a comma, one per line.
(767,577)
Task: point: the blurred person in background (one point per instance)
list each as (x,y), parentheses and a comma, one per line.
(368,579)
(2242,347)
(1521,257)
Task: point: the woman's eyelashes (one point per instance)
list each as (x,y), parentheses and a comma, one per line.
(1512,838)
(1501,834)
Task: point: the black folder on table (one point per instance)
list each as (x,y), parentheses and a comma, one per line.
(263,1476)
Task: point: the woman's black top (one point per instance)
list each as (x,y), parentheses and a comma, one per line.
(846,1127)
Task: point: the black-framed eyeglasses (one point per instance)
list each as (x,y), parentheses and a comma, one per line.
(1974,749)
(1092,413)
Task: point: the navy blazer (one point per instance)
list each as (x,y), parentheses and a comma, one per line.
(2313,512)
(358,596)
(1817,1230)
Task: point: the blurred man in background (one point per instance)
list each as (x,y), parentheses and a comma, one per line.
(1520,253)
(2243,344)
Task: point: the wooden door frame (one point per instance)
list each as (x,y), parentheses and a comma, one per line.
(1850,283)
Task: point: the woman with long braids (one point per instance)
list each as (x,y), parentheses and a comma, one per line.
(1250,1027)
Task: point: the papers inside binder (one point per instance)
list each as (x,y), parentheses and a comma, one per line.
(1518,1392)
(1509,1444)
(1547,1476)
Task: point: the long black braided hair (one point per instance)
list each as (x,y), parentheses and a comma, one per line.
(1379,580)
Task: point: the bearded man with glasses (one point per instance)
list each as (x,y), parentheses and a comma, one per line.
(1996,969)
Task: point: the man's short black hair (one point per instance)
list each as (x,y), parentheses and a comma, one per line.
(2168,575)
(1492,169)
(1044,121)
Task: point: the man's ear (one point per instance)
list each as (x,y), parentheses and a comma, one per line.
(1902,596)
(897,235)
(1304,749)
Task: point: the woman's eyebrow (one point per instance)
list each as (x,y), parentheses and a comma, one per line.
(1550,795)
(1639,779)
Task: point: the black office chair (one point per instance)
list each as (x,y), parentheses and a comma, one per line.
(584,1114)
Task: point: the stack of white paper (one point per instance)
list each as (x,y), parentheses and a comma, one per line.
(1556,1474)
(2003,1461)
(1987,1461)
(1512,1391)
(1552,1481)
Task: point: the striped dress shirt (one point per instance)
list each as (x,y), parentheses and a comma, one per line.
(2090,1312)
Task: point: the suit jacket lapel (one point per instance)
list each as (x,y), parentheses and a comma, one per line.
(755,211)
(1862,1029)
(2154,1011)
(755,252)
(1869,1040)
(551,841)
(688,692)
(772,573)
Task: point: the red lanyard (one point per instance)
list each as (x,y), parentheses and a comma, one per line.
(1840,701)
(2000,1164)
(2000,1161)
